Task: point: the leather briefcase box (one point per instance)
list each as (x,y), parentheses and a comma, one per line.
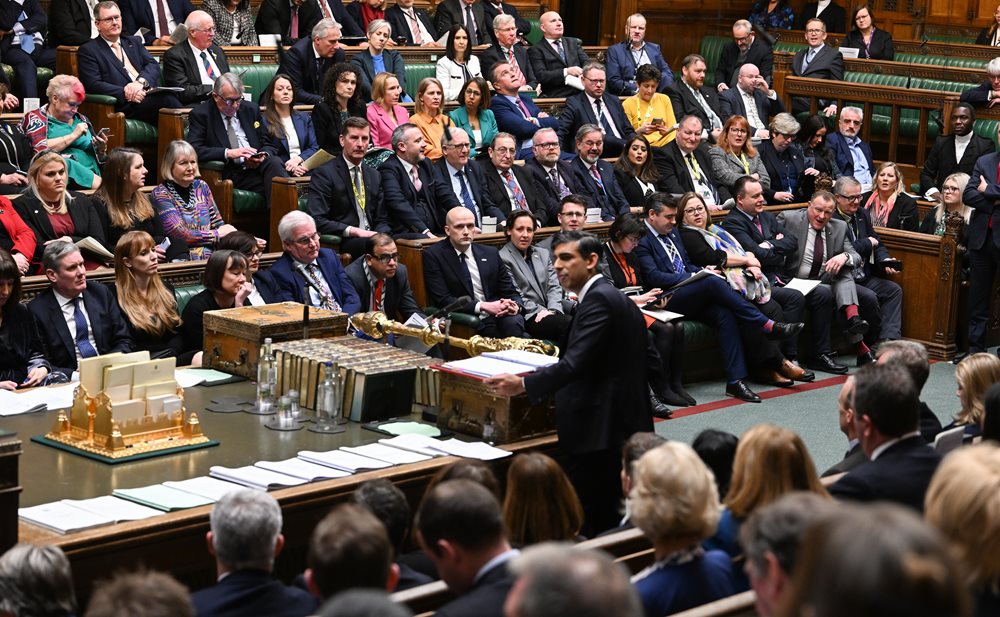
(468,405)
(233,337)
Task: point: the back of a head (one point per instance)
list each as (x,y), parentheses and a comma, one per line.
(557,580)
(363,603)
(349,549)
(717,449)
(388,503)
(875,561)
(541,503)
(887,395)
(464,513)
(140,594)
(777,528)
(466,469)
(245,526)
(911,355)
(42,574)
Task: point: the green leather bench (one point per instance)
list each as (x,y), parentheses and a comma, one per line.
(43,77)
(415,71)
(711,50)
(185,293)
(137,133)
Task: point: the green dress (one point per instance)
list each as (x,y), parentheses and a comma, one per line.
(81,162)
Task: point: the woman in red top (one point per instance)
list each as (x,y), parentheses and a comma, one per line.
(15,236)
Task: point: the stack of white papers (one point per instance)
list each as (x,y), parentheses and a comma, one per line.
(421,444)
(62,518)
(204,486)
(388,454)
(114,508)
(484,366)
(435,447)
(298,468)
(254,477)
(346,461)
(520,356)
(162,497)
(36,399)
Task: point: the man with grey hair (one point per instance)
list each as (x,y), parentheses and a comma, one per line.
(509,186)
(557,580)
(595,175)
(230,130)
(913,356)
(42,573)
(551,172)
(245,538)
(854,157)
(77,318)
(507,48)
(745,48)
(986,94)
(467,181)
(307,61)
(595,106)
(196,64)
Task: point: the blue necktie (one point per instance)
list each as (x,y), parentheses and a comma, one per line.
(82,332)
(27,40)
(673,253)
(466,196)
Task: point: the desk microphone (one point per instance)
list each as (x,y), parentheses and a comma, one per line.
(451,308)
(300,269)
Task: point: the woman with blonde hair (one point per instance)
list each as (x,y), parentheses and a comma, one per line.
(146,301)
(951,204)
(429,117)
(385,113)
(974,375)
(541,504)
(734,155)
(888,204)
(676,505)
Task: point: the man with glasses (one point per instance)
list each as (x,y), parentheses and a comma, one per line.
(510,186)
(572,214)
(155,20)
(854,156)
(752,99)
(597,176)
(229,120)
(745,48)
(554,175)
(819,61)
(381,281)
(685,166)
(196,65)
(120,66)
(307,273)
(507,48)
(595,106)
(307,61)
(466,180)
(955,152)
(514,111)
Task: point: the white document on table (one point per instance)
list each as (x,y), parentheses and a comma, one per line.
(254,477)
(63,518)
(204,486)
(388,454)
(298,468)
(117,509)
(471,449)
(162,497)
(421,444)
(347,461)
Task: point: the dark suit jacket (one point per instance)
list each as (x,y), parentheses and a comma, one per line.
(880,47)
(478,186)
(406,211)
(772,260)
(828,64)
(86,221)
(494,54)
(251,592)
(578,111)
(904,213)
(731,104)
(633,192)
(399,303)
(834,16)
(548,66)
(290,284)
(790,162)
(685,104)
(400,25)
(35,20)
(347,15)
(861,242)
(675,175)
(941,161)
(366,67)
(654,263)
(980,229)
(611,200)
(207,131)
(838,145)
(331,198)
(69,23)
(900,474)
(447,280)
(523,25)
(486,597)
(103,73)
(544,181)
(599,404)
(181,68)
(855,457)
(110,330)
(496,190)
(305,133)
(275,17)
(511,120)
(452,12)
(760,55)
(977,96)
(300,63)
(139,14)
(621,68)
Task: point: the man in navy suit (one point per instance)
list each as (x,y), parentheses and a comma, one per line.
(456,268)
(468,13)
(196,65)
(229,120)
(307,61)
(290,19)
(494,9)
(955,152)
(416,200)
(554,175)
(515,112)
(984,93)
(155,20)
(854,156)
(819,61)
(664,263)
(509,186)
(466,180)
(982,236)
(78,319)
(23,45)
(597,176)
(752,99)
(690,96)
(595,106)
(305,265)
(745,48)
(506,48)
(345,196)
(411,23)
(557,61)
(886,417)
(71,22)
(381,281)
(624,58)
(245,538)
(120,66)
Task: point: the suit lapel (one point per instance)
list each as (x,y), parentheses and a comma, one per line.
(59,320)
(96,314)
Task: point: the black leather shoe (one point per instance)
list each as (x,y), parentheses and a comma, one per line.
(781,330)
(681,392)
(660,409)
(865,358)
(742,391)
(962,356)
(856,325)
(670,397)
(826,363)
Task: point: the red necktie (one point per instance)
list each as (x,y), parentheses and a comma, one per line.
(377,294)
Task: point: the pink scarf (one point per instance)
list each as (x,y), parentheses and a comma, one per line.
(880,211)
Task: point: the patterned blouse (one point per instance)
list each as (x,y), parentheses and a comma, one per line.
(225,22)
(192,218)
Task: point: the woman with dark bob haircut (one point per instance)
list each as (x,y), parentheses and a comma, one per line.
(226,286)
(22,353)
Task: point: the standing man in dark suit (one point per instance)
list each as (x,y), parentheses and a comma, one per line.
(511,187)
(71,22)
(956,152)
(599,403)
(456,268)
(818,61)
(597,176)
(557,61)
(506,48)
(289,19)
(752,99)
(76,318)
(984,94)
(245,538)
(381,281)
(229,119)
(982,236)
(691,97)
(466,179)
(514,111)
(854,156)
(493,9)
(24,26)
(415,200)
(685,166)
(886,418)
(307,61)
(745,48)
(624,58)
(833,16)
(196,65)
(155,20)
(304,265)
(468,13)
(855,456)
(120,66)
(413,24)
(554,175)
(595,106)
(345,197)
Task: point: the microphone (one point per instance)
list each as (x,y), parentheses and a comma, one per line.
(300,269)
(451,308)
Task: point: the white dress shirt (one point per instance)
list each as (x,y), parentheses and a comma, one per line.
(205,79)
(66,304)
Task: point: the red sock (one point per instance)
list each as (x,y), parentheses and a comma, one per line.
(862,348)
(851,310)
(768,326)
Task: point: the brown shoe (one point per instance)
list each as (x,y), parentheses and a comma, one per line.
(774,378)
(793,371)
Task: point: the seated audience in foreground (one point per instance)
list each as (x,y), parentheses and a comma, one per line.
(146,301)
(540,504)
(290,134)
(349,549)
(913,356)
(632,450)
(225,287)
(140,594)
(717,449)
(43,575)
(363,603)
(23,360)
(854,456)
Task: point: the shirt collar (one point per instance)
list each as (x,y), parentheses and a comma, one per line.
(588,285)
(885,446)
(63,300)
(197,52)
(963,139)
(406,165)
(500,559)
(451,169)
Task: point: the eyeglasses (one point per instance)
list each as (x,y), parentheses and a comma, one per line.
(459,146)
(549,145)
(850,197)
(306,240)
(695,210)
(255,254)
(109,20)
(598,82)
(504,150)
(209,30)
(386,258)
(815,31)
(573,215)
(738,131)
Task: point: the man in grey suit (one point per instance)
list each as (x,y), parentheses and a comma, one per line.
(819,61)
(825,254)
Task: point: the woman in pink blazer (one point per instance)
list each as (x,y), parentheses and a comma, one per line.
(385,113)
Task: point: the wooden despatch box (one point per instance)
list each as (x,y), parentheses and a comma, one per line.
(467,404)
(233,337)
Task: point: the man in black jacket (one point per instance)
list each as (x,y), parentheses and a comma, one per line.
(691,97)
(746,48)
(308,60)
(196,65)
(956,152)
